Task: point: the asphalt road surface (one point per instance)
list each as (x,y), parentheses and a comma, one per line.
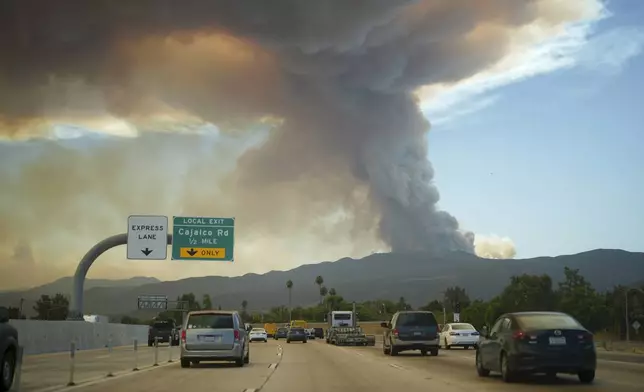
(45,372)
(316,366)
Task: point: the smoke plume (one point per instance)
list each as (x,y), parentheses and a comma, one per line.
(329,84)
(494,247)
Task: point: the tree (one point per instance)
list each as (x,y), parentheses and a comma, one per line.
(323,292)
(528,292)
(402,304)
(433,306)
(454,295)
(52,308)
(14,313)
(319,281)
(289,287)
(579,299)
(244,313)
(332,292)
(206,302)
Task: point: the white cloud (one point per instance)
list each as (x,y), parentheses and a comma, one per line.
(609,52)
(538,50)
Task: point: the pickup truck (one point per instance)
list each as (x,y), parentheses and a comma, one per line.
(164,331)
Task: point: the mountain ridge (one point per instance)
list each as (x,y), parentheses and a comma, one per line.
(419,277)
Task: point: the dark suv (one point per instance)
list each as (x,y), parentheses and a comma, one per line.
(411,330)
(8,350)
(163,330)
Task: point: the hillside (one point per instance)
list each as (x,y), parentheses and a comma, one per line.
(417,277)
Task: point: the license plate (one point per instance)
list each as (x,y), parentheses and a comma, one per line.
(211,339)
(557,341)
(417,333)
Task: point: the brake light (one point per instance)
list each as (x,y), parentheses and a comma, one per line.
(439,329)
(519,335)
(183,335)
(587,336)
(236,335)
(395,332)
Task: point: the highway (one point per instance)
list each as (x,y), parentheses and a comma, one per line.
(315,366)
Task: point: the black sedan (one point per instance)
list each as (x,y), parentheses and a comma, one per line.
(281,333)
(8,350)
(296,335)
(537,342)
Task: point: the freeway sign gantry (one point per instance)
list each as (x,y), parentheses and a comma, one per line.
(153,302)
(203,238)
(147,237)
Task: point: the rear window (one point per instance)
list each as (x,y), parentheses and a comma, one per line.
(211,321)
(258,330)
(163,325)
(463,326)
(282,330)
(300,330)
(342,316)
(547,321)
(420,319)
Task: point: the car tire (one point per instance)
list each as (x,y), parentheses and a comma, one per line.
(423,352)
(7,370)
(393,351)
(288,341)
(247,358)
(150,343)
(507,374)
(304,341)
(434,352)
(185,363)
(586,376)
(482,371)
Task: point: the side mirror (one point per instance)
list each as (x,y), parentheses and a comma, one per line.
(484,331)
(4,314)
(384,325)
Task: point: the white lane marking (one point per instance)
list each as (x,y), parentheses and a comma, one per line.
(393,365)
(357,353)
(101,380)
(102,356)
(249,390)
(279,350)
(272,366)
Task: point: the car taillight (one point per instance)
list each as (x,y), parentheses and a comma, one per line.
(236,335)
(453,334)
(183,335)
(519,335)
(586,336)
(395,332)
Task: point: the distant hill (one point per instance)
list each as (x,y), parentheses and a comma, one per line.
(64,285)
(418,277)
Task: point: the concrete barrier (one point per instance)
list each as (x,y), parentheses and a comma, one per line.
(43,336)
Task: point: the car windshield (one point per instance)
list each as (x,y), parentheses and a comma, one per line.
(416,319)
(463,326)
(211,321)
(547,321)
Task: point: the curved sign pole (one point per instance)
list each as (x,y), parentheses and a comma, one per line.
(76,304)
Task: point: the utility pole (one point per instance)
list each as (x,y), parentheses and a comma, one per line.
(354,314)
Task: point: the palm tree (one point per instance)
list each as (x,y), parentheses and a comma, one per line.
(332,292)
(319,280)
(289,286)
(244,305)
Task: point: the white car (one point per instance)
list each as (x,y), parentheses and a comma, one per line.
(310,333)
(459,335)
(258,335)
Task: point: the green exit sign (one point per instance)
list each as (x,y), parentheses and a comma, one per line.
(203,238)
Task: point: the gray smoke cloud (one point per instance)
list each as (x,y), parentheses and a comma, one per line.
(338,76)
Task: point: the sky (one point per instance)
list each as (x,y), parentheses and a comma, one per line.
(554,160)
(533,152)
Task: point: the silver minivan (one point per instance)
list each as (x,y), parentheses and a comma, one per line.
(214,335)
